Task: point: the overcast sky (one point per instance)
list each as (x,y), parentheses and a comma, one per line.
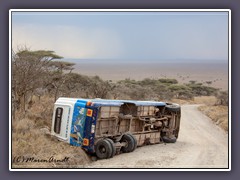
(125,35)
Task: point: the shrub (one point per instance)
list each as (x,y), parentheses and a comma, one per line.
(168,81)
(181,91)
(222,98)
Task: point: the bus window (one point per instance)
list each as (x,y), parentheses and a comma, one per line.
(58,120)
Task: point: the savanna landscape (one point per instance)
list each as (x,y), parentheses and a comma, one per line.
(40,77)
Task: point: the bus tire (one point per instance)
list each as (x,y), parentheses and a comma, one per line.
(169,140)
(103,149)
(173,107)
(135,141)
(113,147)
(130,143)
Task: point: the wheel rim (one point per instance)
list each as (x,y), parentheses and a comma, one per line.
(102,149)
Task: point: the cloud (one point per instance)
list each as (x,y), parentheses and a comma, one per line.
(69,41)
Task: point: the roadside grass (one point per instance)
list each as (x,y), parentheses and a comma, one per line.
(31,139)
(209,107)
(219,115)
(206,100)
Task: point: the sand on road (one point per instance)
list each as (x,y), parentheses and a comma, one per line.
(201,144)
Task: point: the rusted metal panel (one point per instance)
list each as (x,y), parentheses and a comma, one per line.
(109,111)
(147,138)
(146,110)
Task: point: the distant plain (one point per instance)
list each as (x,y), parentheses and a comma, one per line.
(216,72)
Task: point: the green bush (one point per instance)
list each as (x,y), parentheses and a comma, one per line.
(168,81)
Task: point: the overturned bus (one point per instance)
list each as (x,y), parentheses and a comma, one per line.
(108,127)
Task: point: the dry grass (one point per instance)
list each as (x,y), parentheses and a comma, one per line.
(219,114)
(207,100)
(31,139)
(182,101)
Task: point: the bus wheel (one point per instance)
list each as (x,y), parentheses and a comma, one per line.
(130,143)
(103,149)
(173,108)
(135,141)
(169,140)
(113,147)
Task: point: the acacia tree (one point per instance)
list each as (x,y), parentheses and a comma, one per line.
(98,88)
(59,76)
(30,70)
(180,91)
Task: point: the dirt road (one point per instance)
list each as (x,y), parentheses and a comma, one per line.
(201,144)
